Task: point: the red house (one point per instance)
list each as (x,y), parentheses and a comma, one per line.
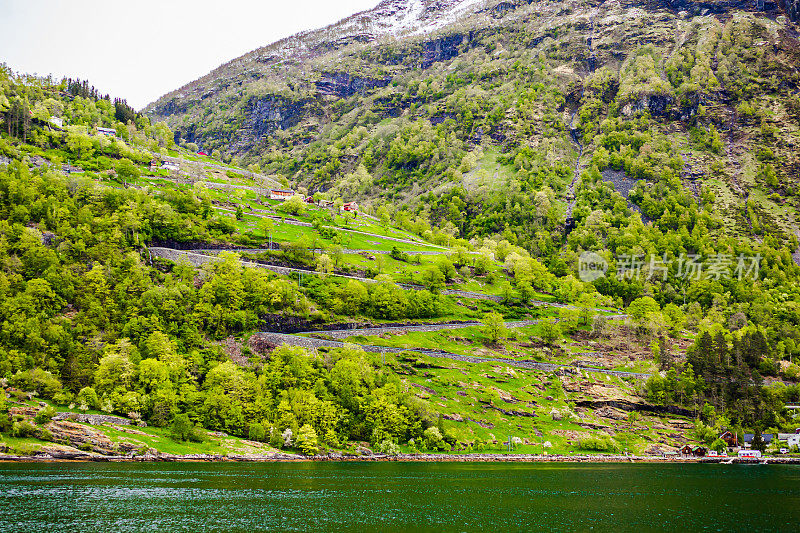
(202,153)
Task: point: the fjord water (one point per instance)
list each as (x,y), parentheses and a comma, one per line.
(397,497)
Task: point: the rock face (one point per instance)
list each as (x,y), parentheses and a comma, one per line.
(343,85)
(442,49)
(94,420)
(274,113)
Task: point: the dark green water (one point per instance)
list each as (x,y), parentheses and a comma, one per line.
(397,497)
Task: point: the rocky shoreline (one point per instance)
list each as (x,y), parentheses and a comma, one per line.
(78,456)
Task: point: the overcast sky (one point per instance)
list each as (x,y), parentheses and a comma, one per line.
(141,49)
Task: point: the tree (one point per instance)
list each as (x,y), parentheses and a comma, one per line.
(256,432)
(641,307)
(433,279)
(87,398)
(324,265)
(380,263)
(549,330)
(758,442)
(295,205)
(525,290)
(719,445)
(633,417)
(267,225)
(586,303)
(494,326)
(181,427)
(127,171)
(307,440)
(446,267)
(80,144)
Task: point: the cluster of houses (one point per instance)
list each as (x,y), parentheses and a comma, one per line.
(745,448)
(285,194)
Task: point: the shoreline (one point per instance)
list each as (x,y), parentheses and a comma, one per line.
(69,457)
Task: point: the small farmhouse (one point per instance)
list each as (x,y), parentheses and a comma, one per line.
(280,194)
(170,165)
(730,438)
(350,206)
(108,132)
(689,451)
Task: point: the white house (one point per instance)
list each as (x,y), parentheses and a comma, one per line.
(57,122)
(791,439)
(280,194)
(108,132)
(170,165)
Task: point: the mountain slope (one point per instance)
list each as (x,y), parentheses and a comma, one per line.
(420,96)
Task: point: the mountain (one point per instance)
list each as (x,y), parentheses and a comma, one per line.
(419,95)
(524,172)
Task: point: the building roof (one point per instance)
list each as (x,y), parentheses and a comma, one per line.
(282,190)
(748,437)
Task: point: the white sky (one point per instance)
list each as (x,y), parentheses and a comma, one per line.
(142,49)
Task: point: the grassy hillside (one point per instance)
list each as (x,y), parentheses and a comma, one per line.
(486,167)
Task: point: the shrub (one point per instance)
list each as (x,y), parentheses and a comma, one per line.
(256,432)
(599,443)
(23,429)
(63,397)
(183,429)
(388,447)
(433,439)
(45,415)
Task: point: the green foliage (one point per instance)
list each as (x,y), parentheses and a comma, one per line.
(45,415)
(256,432)
(599,443)
(293,206)
(549,331)
(307,440)
(42,382)
(181,427)
(494,326)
